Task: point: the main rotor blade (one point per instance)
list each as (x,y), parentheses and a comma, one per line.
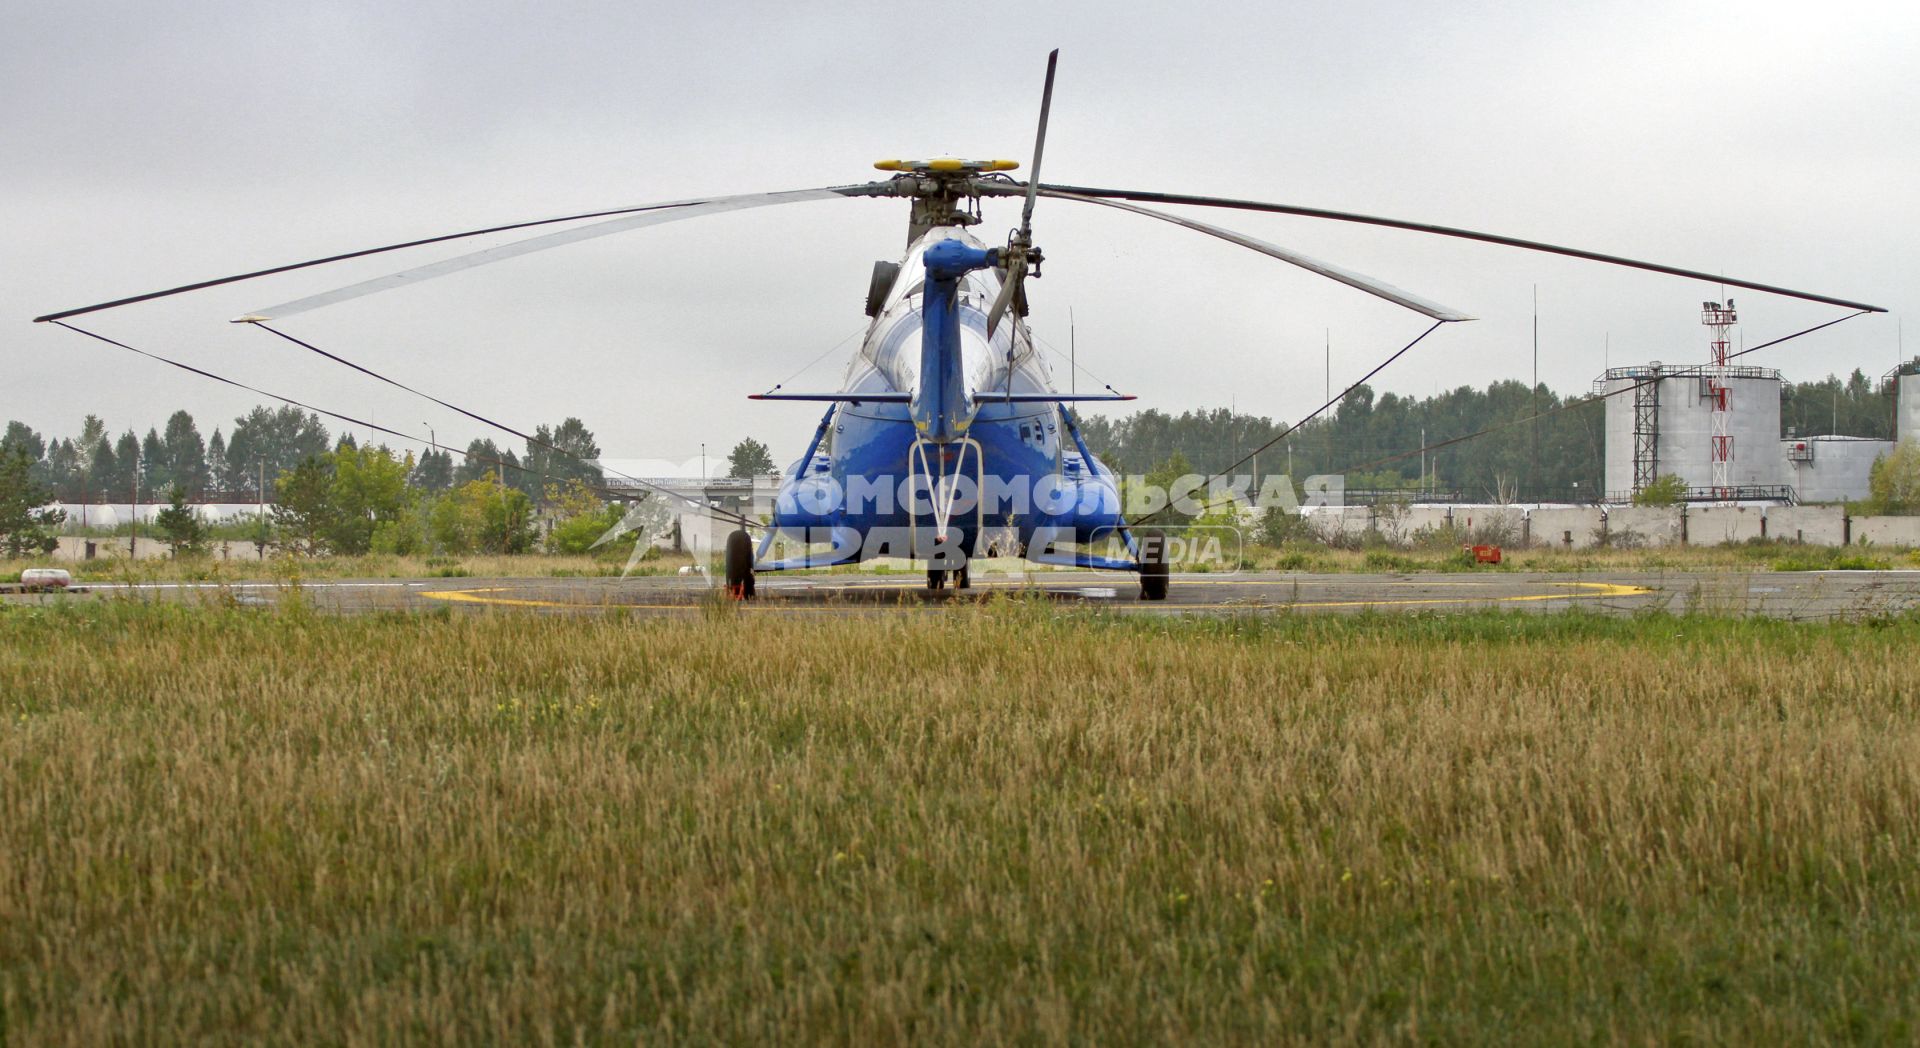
(1348,277)
(868,189)
(1148,197)
(668,213)
(1039,147)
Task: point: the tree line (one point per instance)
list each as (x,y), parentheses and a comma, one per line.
(328,495)
(1372,439)
(1375,440)
(264,445)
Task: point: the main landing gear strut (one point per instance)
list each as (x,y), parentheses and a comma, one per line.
(937,579)
(1153,563)
(739,562)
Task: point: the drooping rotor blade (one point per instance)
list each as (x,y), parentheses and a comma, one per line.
(868,189)
(1148,197)
(1348,277)
(674,213)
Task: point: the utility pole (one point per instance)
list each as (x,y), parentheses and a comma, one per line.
(260,542)
(433,441)
(133,511)
(1533,394)
(1423,458)
(1072,356)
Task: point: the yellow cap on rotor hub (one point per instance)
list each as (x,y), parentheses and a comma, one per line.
(946,165)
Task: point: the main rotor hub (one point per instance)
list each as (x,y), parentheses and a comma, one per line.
(944,190)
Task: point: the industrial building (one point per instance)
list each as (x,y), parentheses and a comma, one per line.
(1717,427)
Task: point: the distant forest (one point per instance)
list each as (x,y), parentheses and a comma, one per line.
(1375,440)
(93,466)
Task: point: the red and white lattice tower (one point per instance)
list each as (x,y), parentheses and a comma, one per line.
(1718,319)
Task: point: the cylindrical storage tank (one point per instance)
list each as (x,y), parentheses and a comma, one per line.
(1831,469)
(1618,472)
(1684,430)
(45,578)
(1907,408)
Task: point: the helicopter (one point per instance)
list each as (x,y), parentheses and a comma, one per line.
(947,440)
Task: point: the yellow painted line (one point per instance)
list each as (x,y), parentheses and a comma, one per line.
(480,596)
(1577,591)
(1605,589)
(1093,579)
(476,596)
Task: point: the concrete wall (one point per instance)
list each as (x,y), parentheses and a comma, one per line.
(1716,525)
(702,534)
(1571,527)
(1887,531)
(1334,523)
(1491,523)
(1813,525)
(112,515)
(74,547)
(1644,525)
(1427,518)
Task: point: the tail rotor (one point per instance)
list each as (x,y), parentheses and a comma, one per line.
(1020,255)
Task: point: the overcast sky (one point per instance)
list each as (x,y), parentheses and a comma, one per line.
(151,145)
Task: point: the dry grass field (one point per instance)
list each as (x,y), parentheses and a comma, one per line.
(1010,823)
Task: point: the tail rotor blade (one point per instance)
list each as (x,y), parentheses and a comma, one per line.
(1016,272)
(1023,240)
(1039,145)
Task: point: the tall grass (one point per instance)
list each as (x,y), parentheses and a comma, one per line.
(1009,823)
(368,566)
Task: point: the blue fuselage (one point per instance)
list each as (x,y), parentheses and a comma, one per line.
(945,435)
(1026,483)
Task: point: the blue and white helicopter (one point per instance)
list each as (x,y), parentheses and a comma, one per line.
(948,439)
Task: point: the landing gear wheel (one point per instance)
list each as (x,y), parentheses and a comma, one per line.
(936,580)
(962,579)
(740,566)
(1153,565)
